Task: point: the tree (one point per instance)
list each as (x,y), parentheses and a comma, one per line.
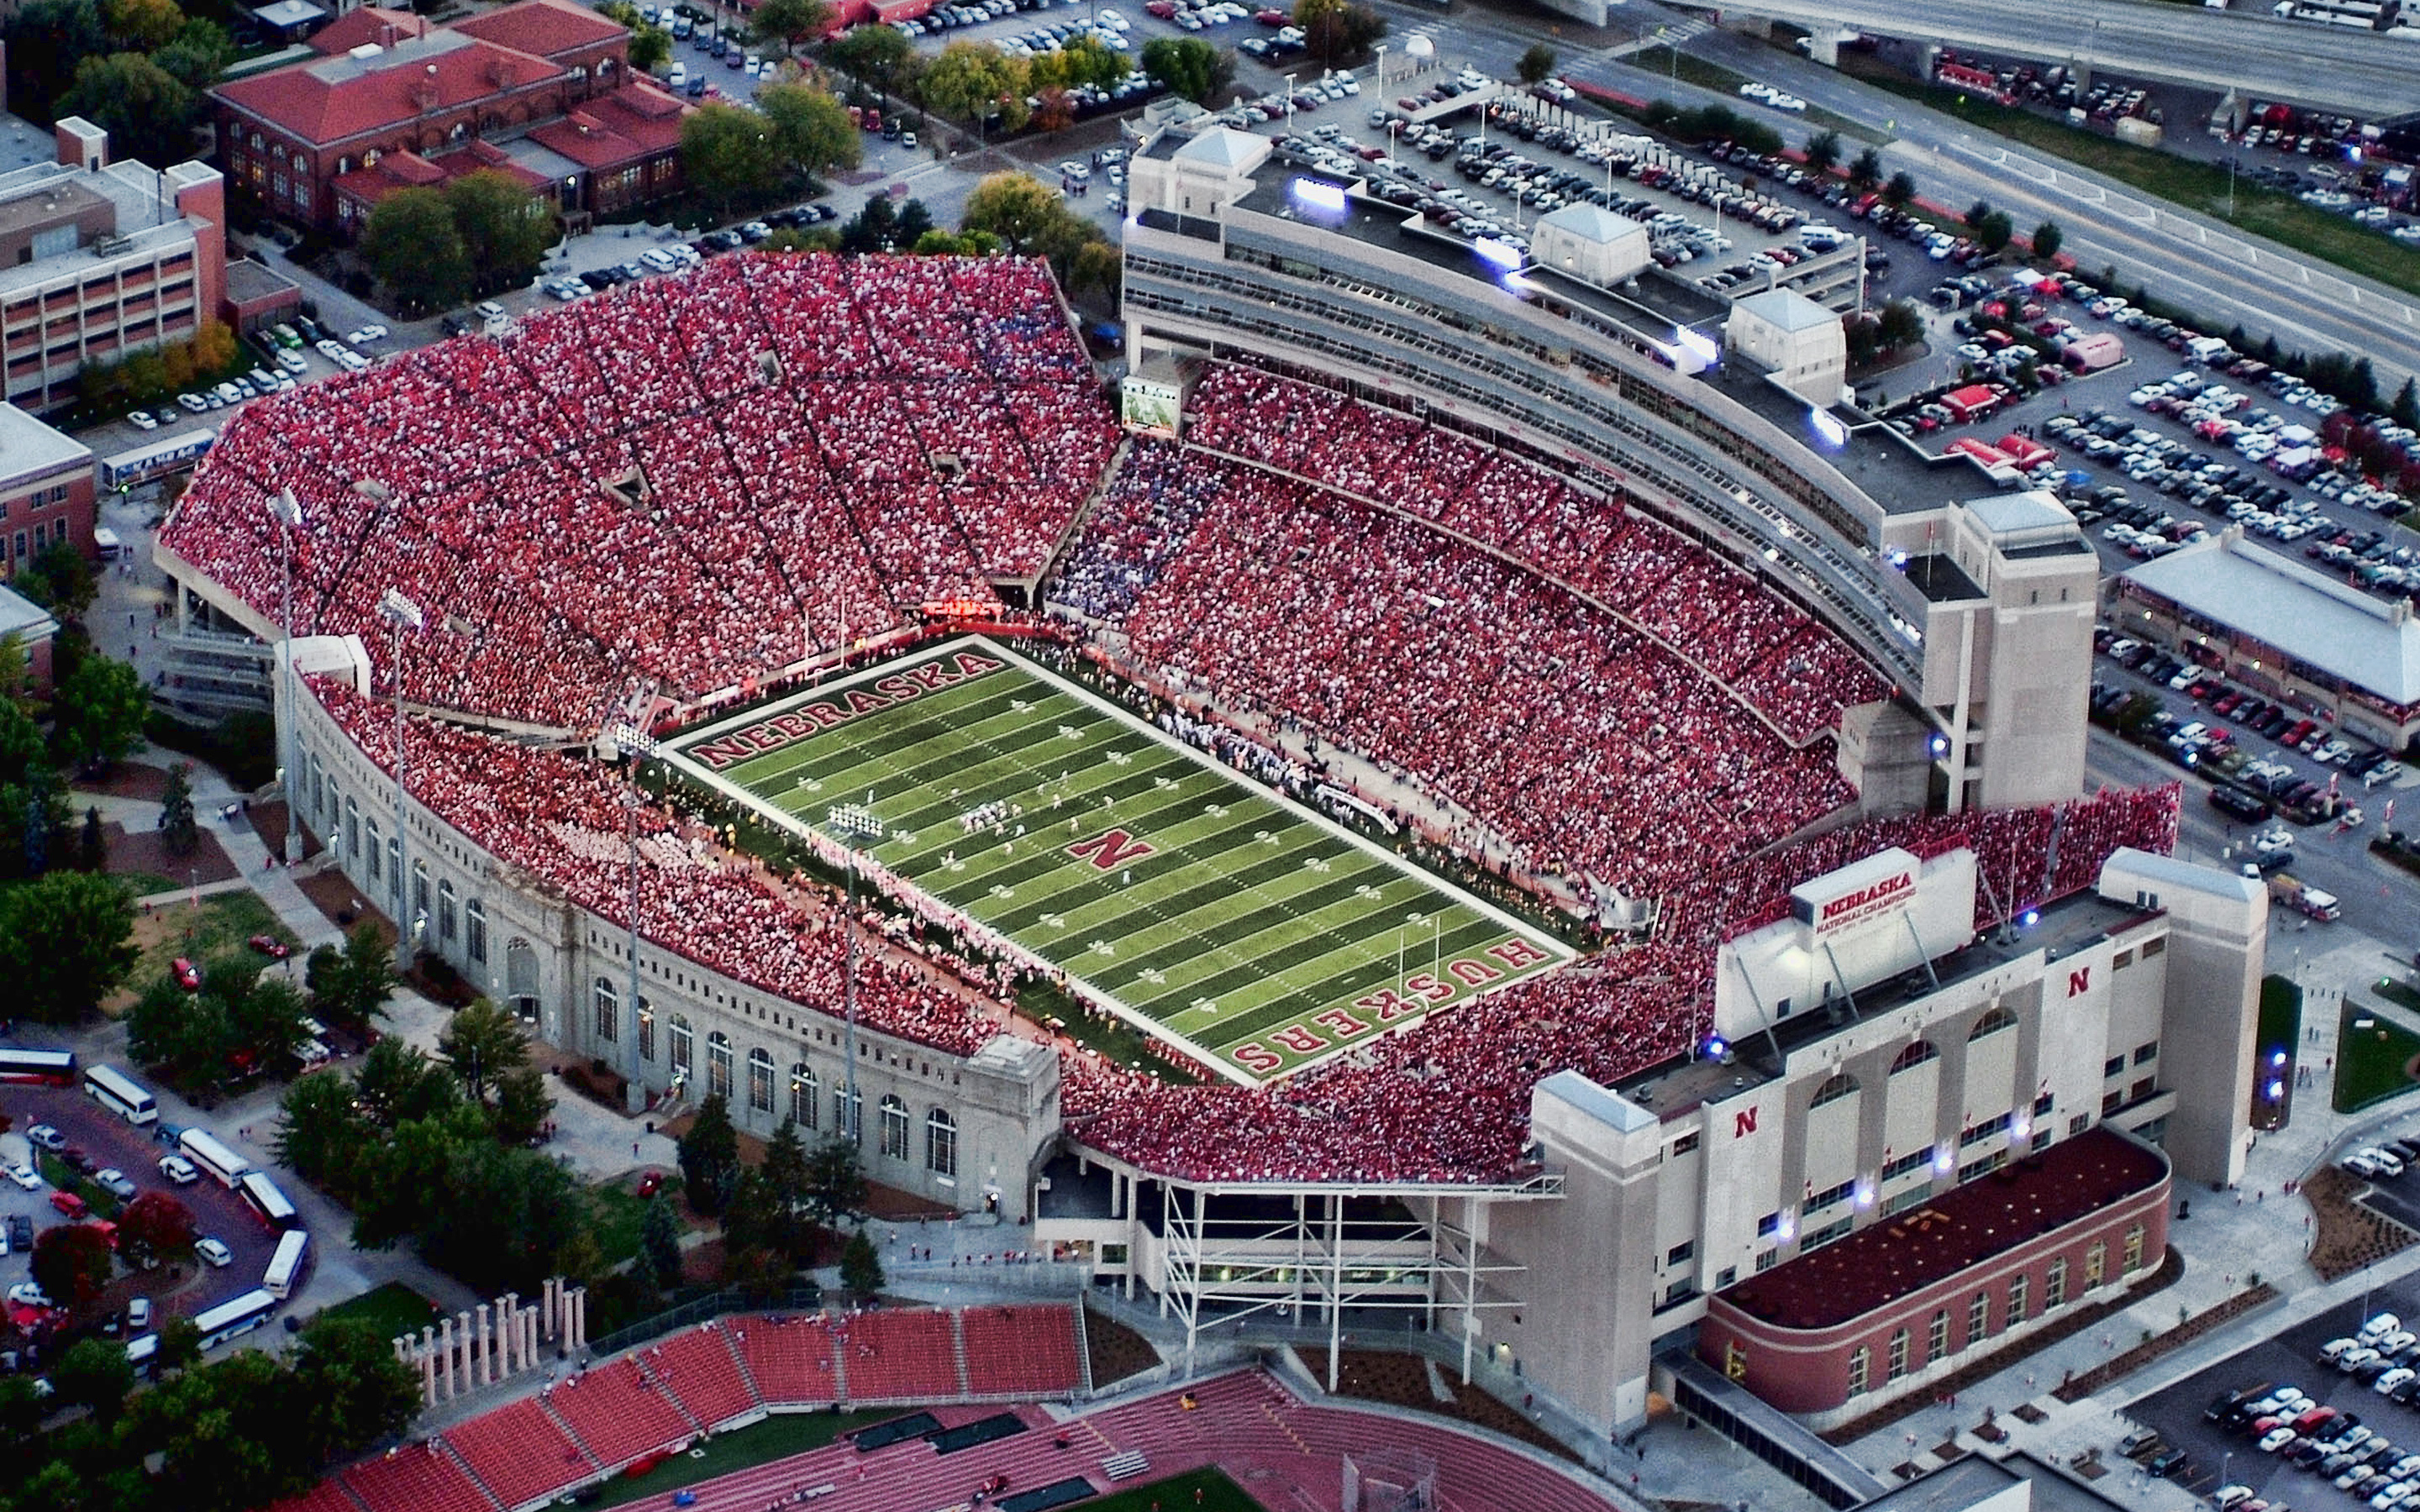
(66,942)
(142,25)
(811,132)
(660,1239)
(2405,412)
(1537,64)
(874,54)
(48,41)
(957,244)
(414,246)
(147,111)
(97,717)
(1997,231)
(1054,111)
(972,81)
(709,1157)
(523,1105)
(861,1268)
(154,1227)
(480,1046)
(788,1191)
(650,45)
(71,1263)
(321,1131)
(1903,325)
(1900,189)
(727,153)
(92,844)
(95,1373)
(505,228)
(1097,264)
(59,579)
(1866,170)
(22,1410)
(1018,208)
(1824,151)
(1334,29)
(184,1034)
(2048,239)
(180,1344)
(786,23)
(1977,214)
(1189,67)
(351,985)
(350,1389)
(197,59)
(835,1184)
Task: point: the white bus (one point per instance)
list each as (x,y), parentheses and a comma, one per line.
(42,1068)
(142,1353)
(230,1320)
(155,458)
(269,1204)
(115,1090)
(285,1266)
(204,1151)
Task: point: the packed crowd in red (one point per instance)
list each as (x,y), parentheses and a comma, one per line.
(1765,649)
(688,481)
(1589,744)
(566,821)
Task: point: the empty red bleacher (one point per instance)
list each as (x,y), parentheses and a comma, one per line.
(790,1357)
(618,1413)
(1021,1352)
(900,1356)
(518,1452)
(699,1370)
(417,1477)
(325,1497)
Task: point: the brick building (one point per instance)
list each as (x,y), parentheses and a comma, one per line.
(99,259)
(387,83)
(46,490)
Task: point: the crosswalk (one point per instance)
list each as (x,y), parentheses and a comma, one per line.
(1673,34)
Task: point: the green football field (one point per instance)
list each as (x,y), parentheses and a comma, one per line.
(1196,904)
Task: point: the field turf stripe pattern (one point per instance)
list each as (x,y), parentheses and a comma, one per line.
(1201,908)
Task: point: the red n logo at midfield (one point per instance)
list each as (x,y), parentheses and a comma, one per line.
(1112,849)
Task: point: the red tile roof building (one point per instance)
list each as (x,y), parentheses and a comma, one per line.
(626,143)
(388,83)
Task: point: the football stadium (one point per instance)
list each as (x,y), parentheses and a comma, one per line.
(1573,843)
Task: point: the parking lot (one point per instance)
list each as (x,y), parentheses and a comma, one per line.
(103,1140)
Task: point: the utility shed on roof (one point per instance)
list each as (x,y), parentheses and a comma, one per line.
(1800,342)
(1591,244)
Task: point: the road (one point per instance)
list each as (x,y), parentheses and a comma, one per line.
(2360,72)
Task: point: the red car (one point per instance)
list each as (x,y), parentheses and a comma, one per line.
(187,977)
(1273,17)
(68,1204)
(269,945)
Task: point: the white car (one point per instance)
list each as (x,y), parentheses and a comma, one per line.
(487,310)
(566,289)
(2393,1378)
(659,259)
(142,420)
(2276,1440)
(373,331)
(27,1294)
(2352,1360)
(212,1251)
(292,362)
(1075,172)
(27,1176)
(179,1169)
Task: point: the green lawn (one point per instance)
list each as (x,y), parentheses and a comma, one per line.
(1218,1494)
(620,1212)
(145,884)
(775,1437)
(394,1308)
(2193,184)
(1191,903)
(219,927)
(2373,1058)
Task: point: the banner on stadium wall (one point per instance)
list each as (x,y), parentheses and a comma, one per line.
(1150,406)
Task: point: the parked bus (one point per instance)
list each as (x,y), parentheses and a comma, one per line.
(260,1194)
(155,458)
(285,1266)
(44,1068)
(203,1150)
(142,1353)
(119,1093)
(231,1319)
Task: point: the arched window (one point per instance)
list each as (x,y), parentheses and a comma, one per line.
(377,852)
(609,1011)
(894,1128)
(1915,1056)
(1841,1085)
(760,1081)
(475,929)
(420,892)
(646,1029)
(1861,1362)
(805,1111)
(1992,1023)
(848,1114)
(717,1065)
(940,1142)
(681,1044)
(352,828)
(446,909)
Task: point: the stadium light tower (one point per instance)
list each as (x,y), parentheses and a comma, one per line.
(856,823)
(400,614)
(288,511)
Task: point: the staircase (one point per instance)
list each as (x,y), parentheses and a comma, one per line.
(1125,1465)
(463,1463)
(739,1361)
(958,1353)
(1083,1349)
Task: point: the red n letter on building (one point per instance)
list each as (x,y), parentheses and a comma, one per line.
(2079,980)
(1112,849)
(1744,1123)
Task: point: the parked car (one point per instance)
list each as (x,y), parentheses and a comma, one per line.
(215,1253)
(46,1137)
(179,1169)
(269,946)
(27,1176)
(113,1181)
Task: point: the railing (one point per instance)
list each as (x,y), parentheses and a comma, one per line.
(698,1309)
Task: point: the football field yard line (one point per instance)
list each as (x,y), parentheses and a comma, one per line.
(1233,895)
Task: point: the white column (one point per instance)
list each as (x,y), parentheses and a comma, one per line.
(546,1306)
(529,1333)
(450,1330)
(480,1356)
(507,1320)
(428,1377)
(579,1318)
